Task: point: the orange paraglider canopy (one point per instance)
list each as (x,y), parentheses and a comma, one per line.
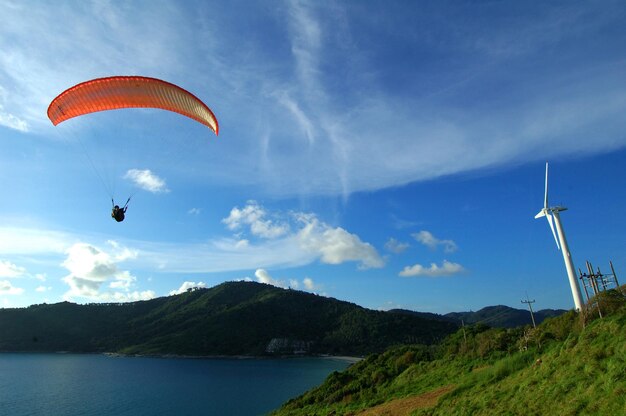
(128,92)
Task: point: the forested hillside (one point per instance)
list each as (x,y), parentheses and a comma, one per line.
(234,318)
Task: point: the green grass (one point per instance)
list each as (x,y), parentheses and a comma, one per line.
(564,367)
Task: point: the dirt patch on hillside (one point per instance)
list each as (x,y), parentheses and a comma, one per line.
(404,406)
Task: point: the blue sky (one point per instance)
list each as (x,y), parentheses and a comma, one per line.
(389,155)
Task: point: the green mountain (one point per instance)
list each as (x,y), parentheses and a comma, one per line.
(234,318)
(503,316)
(494,316)
(573,364)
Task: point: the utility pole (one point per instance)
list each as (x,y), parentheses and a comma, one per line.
(532,315)
(617,286)
(464,336)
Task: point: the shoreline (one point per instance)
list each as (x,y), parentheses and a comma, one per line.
(346,358)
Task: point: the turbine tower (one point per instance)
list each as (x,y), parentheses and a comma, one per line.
(550,212)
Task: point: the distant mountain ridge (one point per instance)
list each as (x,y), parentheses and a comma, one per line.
(233,318)
(499,316)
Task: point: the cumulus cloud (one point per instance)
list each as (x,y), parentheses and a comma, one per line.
(395,246)
(336,245)
(91,268)
(429,240)
(446,269)
(186,286)
(254,216)
(263,276)
(194,211)
(301,236)
(307,240)
(8,269)
(146,180)
(6,288)
(41,289)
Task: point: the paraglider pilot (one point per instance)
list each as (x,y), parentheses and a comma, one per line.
(118,213)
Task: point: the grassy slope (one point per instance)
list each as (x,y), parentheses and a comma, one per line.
(581,371)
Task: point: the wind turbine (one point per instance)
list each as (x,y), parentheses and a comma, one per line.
(549,213)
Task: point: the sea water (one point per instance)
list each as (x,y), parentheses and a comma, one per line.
(99,385)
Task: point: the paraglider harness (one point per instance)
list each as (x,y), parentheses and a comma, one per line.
(118,213)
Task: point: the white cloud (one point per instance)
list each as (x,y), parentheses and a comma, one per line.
(90,268)
(336,245)
(6,288)
(426,135)
(194,211)
(8,269)
(42,289)
(446,269)
(429,240)
(396,246)
(33,240)
(126,296)
(254,216)
(7,119)
(308,239)
(11,121)
(186,286)
(242,243)
(308,283)
(263,276)
(121,253)
(146,180)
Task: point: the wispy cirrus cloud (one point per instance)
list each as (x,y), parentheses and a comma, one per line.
(368,118)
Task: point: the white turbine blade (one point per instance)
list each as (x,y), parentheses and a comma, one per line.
(541,214)
(545,201)
(549,217)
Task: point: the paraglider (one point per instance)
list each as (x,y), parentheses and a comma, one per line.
(117,213)
(118,92)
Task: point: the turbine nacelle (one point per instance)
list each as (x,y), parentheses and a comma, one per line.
(548,212)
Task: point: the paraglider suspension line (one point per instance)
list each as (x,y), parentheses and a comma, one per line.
(125,205)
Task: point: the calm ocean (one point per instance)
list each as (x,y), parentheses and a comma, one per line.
(98,385)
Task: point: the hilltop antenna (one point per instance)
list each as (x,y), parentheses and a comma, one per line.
(549,213)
